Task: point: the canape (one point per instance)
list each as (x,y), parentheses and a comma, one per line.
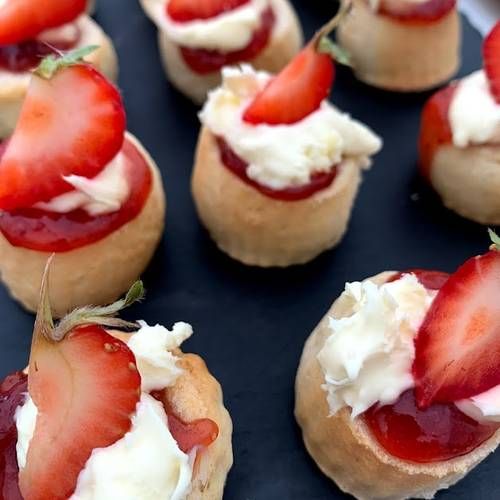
(74,183)
(105,414)
(403,45)
(30,30)
(397,389)
(197,38)
(277,167)
(460,140)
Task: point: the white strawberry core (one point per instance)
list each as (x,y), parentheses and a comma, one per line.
(230,31)
(146,463)
(474,114)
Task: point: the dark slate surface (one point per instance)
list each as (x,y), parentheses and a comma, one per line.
(250,324)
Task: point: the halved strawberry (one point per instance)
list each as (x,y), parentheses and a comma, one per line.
(419,12)
(491,57)
(86,387)
(22,20)
(435,128)
(190,10)
(72,122)
(295,92)
(457,349)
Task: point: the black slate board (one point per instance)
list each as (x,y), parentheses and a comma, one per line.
(250,324)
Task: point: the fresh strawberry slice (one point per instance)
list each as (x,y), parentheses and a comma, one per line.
(458,346)
(421,12)
(85,385)
(190,10)
(71,122)
(491,57)
(435,128)
(22,20)
(295,92)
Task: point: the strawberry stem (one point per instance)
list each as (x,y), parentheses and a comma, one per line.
(50,65)
(495,240)
(88,315)
(344,9)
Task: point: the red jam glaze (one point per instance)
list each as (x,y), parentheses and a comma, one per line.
(238,167)
(432,280)
(416,13)
(52,232)
(11,396)
(435,128)
(207,61)
(440,432)
(27,55)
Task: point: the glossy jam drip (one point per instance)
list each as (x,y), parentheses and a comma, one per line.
(435,129)
(432,280)
(207,61)
(406,11)
(440,432)
(27,55)
(53,232)
(12,391)
(238,167)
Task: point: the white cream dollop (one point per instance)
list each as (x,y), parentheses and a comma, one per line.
(281,156)
(375,4)
(474,114)
(102,194)
(146,463)
(484,407)
(227,32)
(368,356)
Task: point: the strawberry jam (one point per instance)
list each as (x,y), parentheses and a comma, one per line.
(237,166)
(440,432)
(27,55)
(55,232)
(12,391)
(409,12)
(203,61)
(435,129)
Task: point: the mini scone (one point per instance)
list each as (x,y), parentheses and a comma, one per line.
(397,392)
(460,140)
(74,183)
(403,45)
(277,167)
(197,38)
(29,30)
(103,414)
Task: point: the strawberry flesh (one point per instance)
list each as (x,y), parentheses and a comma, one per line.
(296,92)
(491,58)
(457,348)
(190,10)
(86,389)
(73,123)
(22,20)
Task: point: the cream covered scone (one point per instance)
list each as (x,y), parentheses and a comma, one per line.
(83,189)
(103,414)
(460,140)
(397,388)
(402,45)
(277,167)
(26,35)
(196,41)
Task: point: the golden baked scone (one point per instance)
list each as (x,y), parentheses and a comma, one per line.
(83,189)
(344,447)
(13,86)
(258,230)
(154,423)
(400,56)
(459,141)
(285,41)
(97,273)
